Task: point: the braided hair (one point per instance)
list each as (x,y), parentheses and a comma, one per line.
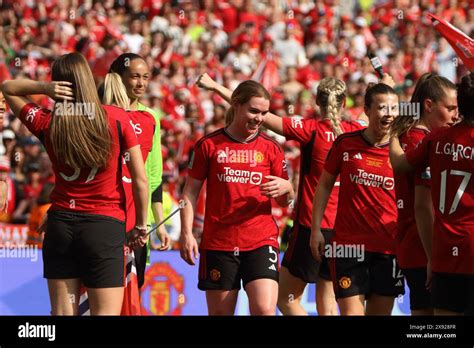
(330,96)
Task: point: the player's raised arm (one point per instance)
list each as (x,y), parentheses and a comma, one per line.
(272,121)
(16,91)
(397,156)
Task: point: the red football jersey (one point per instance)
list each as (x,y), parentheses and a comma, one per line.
(410,252)
(238,216)
(450,154)
(86,190)
(315,138)
(143,124)
(366,214)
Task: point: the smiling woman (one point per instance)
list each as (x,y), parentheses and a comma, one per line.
(239,241)
(366,214)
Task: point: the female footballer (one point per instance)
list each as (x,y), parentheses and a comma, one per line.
(244,169)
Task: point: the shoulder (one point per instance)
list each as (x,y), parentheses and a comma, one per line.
(348,137)
(210,137)
(153,113)
(141,115)
(115,113)
(272,142)
(353,125)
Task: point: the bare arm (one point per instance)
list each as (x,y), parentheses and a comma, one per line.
(189,247)
(397,156)
(320,201)
(157,209)
(272,121)
(424,222)
(278,188)
(139,187)
(15,91)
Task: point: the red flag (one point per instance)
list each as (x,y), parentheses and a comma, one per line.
(461,43)
(131,297)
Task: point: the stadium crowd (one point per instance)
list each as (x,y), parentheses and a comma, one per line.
(289,46)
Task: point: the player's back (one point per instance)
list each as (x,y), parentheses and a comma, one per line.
(451,159)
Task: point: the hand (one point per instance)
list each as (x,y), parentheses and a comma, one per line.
(189,248)
(429,275)
(317,244)
(164,238)
(3,196)
(206,82)
(59,90)
(138,238)
(388,80)
(276,187)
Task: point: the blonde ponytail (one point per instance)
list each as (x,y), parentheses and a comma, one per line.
(115,92)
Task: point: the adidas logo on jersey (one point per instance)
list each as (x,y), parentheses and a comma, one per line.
(272,267)
(357,156)
(399,283)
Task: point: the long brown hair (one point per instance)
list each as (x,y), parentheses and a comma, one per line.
(428,86)
(330,96)
(79,131)
(242,94)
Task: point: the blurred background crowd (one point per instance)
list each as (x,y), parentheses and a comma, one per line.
(288,45)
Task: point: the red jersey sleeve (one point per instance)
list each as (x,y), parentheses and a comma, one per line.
(199,164)
(296,128)
(35,118)
(334,158)
(279,165)
(423,176)
(418,157)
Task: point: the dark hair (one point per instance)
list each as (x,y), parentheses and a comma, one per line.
(376,89)
(121,64)
(242,94)
(428,86)
(466,97)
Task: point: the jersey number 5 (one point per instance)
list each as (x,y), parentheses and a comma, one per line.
(459,193)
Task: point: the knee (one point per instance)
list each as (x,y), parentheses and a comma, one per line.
(263,309)
(326,306)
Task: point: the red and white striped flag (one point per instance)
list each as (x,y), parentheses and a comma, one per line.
(131,298)
(459,41)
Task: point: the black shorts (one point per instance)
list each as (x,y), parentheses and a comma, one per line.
(140,263)
(420,297)
(85,246)
(299,260)
(371,273)
(223,270)
(453,292)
